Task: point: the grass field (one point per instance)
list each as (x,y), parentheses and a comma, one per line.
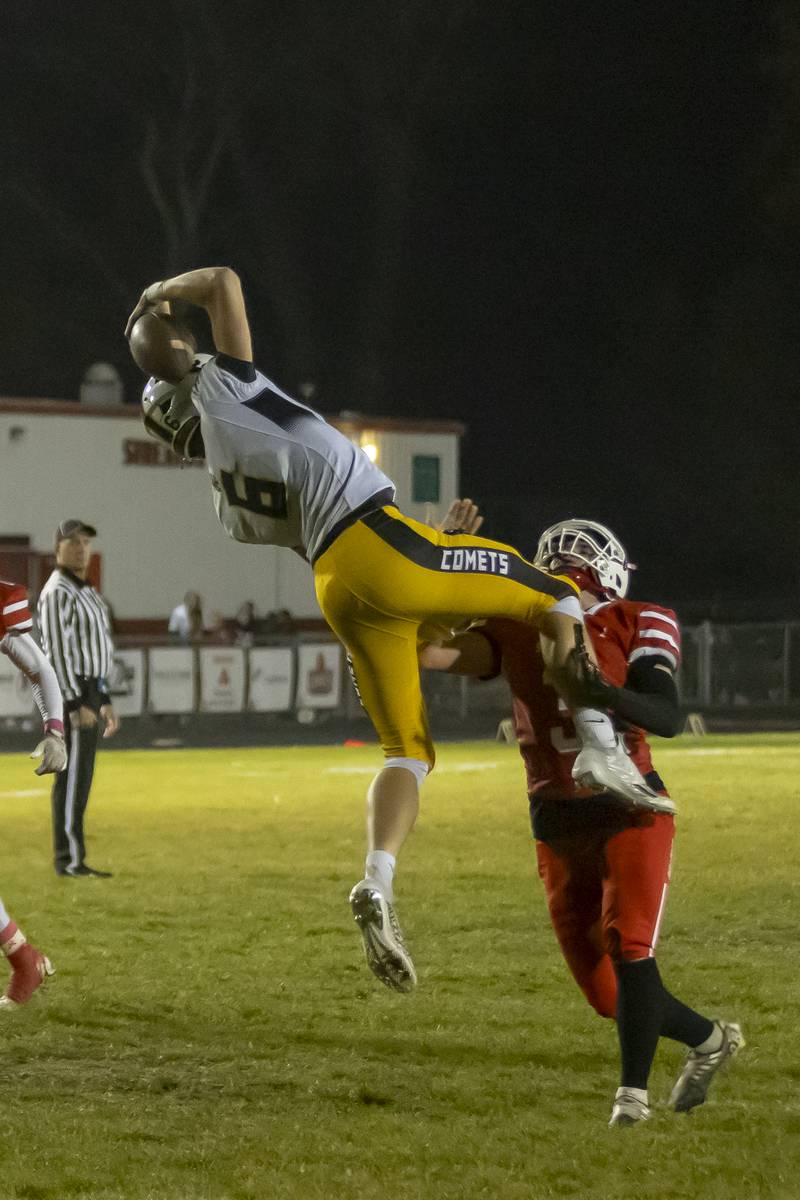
(213,1034)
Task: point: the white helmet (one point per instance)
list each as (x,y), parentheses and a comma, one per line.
(170,416)
(586,544)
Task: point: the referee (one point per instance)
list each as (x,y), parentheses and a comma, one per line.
(76,636)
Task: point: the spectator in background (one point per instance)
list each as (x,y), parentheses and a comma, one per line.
(244,628)
(285,621)
(280,620)
(220,629)
(186,622)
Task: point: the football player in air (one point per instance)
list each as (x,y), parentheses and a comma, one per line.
(29,966)
(282,476)
(605,864)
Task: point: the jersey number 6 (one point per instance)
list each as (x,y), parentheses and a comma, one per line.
(260,496)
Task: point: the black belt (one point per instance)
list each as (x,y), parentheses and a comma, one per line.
(376,502)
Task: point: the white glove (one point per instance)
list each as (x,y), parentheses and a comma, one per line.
(52,752)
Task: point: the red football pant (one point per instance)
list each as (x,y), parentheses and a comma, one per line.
(606,896)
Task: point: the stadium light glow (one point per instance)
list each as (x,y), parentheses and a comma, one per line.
(369,446)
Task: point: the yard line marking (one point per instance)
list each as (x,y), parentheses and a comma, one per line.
(251,774)
(26,792)
(443,770)
(709,751)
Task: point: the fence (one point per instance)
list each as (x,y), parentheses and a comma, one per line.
(300,676)
(748,671)
(741,667)
(743,670)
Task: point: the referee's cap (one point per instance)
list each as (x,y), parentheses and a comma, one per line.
(72,526)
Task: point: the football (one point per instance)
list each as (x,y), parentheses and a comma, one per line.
(162,347)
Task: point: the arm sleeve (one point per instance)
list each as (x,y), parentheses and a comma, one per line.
(55,621)
(25,654)
(649,698)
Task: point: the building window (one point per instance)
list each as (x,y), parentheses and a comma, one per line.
(425,471)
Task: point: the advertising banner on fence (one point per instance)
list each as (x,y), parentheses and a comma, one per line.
(126,682)
(271,679)
(171,680)
(221,679)
(15,695)
(319,675)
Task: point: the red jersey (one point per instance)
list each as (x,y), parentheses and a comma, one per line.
(622,631)
(15,615)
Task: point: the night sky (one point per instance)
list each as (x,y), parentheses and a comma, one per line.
(573,226)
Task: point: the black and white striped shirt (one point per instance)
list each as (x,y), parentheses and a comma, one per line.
(75,626)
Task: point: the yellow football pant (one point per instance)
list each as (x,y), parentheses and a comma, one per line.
(386,578)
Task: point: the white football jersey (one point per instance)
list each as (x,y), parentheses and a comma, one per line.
(282,476)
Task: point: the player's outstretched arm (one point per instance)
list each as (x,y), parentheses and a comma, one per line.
(26,655)
(648,698)
(216,289)
(470,653)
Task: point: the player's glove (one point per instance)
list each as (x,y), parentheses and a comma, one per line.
(52,752)
(586,686)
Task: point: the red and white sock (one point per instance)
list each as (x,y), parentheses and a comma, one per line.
(11,938)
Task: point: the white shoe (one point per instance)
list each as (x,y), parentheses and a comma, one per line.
(628,1109)
(691,1086)
(384,946)
(614,771)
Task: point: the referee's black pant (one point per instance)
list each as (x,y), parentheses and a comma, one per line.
(70,796)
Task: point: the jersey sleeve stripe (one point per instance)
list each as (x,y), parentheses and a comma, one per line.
(661,635)
(659,616)
(10,608)
(655,652)
(23,621)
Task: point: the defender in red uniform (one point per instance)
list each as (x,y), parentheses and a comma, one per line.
(605,866)
(28,965)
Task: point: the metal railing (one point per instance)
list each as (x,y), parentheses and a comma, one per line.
(744,668)
(747,671)
(741,666)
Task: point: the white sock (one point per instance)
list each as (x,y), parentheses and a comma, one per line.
(712,1043)
(637,1093)
(594,728)
(4,917)
(380,867)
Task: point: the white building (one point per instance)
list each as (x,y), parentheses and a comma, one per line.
(158,536)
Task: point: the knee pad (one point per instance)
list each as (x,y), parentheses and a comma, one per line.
(416,766)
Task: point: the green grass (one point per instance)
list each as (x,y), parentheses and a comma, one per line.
(213,1034)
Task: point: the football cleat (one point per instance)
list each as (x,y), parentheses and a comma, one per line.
(82,870)
(613,771)
(691,1086)
(384,945)
(628,1109)
(29,969)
